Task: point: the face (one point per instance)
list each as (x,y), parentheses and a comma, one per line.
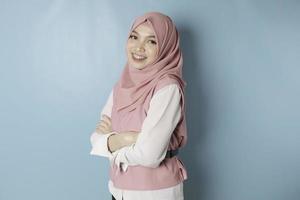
(142,46)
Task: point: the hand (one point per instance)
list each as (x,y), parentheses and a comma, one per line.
(104,125)
(129,137)
(118,141)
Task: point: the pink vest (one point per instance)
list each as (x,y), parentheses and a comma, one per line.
(170,172)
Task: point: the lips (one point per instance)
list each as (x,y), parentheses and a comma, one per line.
(138,57)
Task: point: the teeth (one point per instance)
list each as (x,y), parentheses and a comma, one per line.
(138,57)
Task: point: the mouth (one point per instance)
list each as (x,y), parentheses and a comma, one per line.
(137,57)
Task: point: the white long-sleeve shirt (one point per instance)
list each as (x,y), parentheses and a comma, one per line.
(151,145)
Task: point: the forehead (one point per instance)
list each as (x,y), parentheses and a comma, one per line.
(144,29)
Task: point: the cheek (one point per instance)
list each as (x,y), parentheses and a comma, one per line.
(152,53)
(129,46)
(128,54)
(128,50)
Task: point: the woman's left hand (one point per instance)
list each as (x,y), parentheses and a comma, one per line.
(104,125)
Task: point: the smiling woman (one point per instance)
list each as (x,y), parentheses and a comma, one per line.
(142,46)
(143,123)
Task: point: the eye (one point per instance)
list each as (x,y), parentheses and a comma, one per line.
(132,36)
(152,41)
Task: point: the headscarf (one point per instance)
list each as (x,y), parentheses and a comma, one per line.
(135,85)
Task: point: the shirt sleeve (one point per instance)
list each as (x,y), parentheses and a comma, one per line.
(153,140)
(99,141)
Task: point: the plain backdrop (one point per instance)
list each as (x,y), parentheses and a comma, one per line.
(60,58)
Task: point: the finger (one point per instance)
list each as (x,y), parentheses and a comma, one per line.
(99,122)
(106,116)
(103,127)
(107,119)
(102,122)
(106,126)
(104,130)
(100,130)
(106,123)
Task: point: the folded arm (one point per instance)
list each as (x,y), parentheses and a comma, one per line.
(152,143)
(104,141)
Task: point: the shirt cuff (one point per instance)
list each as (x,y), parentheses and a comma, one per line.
(100,146)
(119,158)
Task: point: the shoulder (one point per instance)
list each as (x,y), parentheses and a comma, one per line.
(167,93)
(166,85)
(172,87)
(166,100)
(165,82)
(163,94)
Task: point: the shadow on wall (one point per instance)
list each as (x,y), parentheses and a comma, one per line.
(196,187)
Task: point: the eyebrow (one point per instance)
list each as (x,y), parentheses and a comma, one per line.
(147,36)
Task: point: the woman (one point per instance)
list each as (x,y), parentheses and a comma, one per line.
(143,122)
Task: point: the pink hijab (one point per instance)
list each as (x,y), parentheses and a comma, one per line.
(135,85)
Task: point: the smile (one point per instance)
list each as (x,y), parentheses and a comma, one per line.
(138,57)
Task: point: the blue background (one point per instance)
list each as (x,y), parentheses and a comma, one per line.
(59,60)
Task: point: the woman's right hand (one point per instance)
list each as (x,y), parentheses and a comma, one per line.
(104,126)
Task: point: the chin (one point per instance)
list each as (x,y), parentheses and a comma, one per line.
(137,66)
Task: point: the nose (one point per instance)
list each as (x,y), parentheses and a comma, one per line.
(140,48)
